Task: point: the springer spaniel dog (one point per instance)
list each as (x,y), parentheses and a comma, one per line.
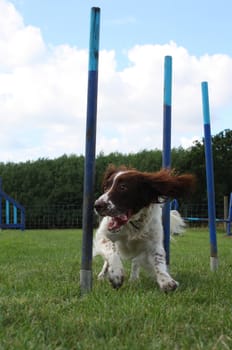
(131,228)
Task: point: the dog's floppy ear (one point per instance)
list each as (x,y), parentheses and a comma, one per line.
(110,171)
(166,183)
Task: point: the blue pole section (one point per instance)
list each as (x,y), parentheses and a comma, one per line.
(90,145)
(166,162)
(209,177)
(7,212)
(15,215)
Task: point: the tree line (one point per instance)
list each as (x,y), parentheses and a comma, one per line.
(44,184)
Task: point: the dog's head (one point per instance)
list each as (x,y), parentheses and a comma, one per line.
(127,191)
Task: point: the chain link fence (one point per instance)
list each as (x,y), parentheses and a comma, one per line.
(54,216)
(70,215)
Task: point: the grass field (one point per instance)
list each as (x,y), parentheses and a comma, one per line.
(41,307)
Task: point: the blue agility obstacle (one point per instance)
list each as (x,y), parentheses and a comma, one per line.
(90,146)
(209,177)
(89,171)
(208,161)
(166,156)
(12,215)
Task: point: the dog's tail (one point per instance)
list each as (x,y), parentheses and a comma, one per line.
(177,224)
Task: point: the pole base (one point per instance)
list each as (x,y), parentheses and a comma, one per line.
(85,281)
(213,263)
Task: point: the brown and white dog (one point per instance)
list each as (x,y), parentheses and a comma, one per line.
(131,228)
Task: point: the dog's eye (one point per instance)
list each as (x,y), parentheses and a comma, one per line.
(122,187)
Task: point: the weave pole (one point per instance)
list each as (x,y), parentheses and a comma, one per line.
(209,178)
(90,147)
(166,159)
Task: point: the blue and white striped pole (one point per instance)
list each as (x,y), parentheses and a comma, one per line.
(166,162)
(90,146)
(210,178)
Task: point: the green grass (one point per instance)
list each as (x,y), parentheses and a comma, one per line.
(41,307)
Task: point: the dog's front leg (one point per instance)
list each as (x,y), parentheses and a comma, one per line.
(103,272)
(104,246)
(112,268)
(158,261)
(115,269)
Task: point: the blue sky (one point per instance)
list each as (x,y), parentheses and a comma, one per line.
(200,26)
(43,69)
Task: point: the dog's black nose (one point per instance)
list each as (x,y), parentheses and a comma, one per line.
(99,205)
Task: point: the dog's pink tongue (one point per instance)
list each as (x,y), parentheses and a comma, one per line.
(116,222)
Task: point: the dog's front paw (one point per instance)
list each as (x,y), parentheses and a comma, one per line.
(115,271)
(101,276)
(168,285)
(116,277)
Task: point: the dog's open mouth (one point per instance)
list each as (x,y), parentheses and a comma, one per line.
(116,222)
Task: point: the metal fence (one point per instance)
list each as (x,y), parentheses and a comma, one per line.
(54,216)
(196,214)
(70,215)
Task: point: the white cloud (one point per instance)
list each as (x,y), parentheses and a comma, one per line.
(186,143)
(135,102)
(43,93)
(19,44)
